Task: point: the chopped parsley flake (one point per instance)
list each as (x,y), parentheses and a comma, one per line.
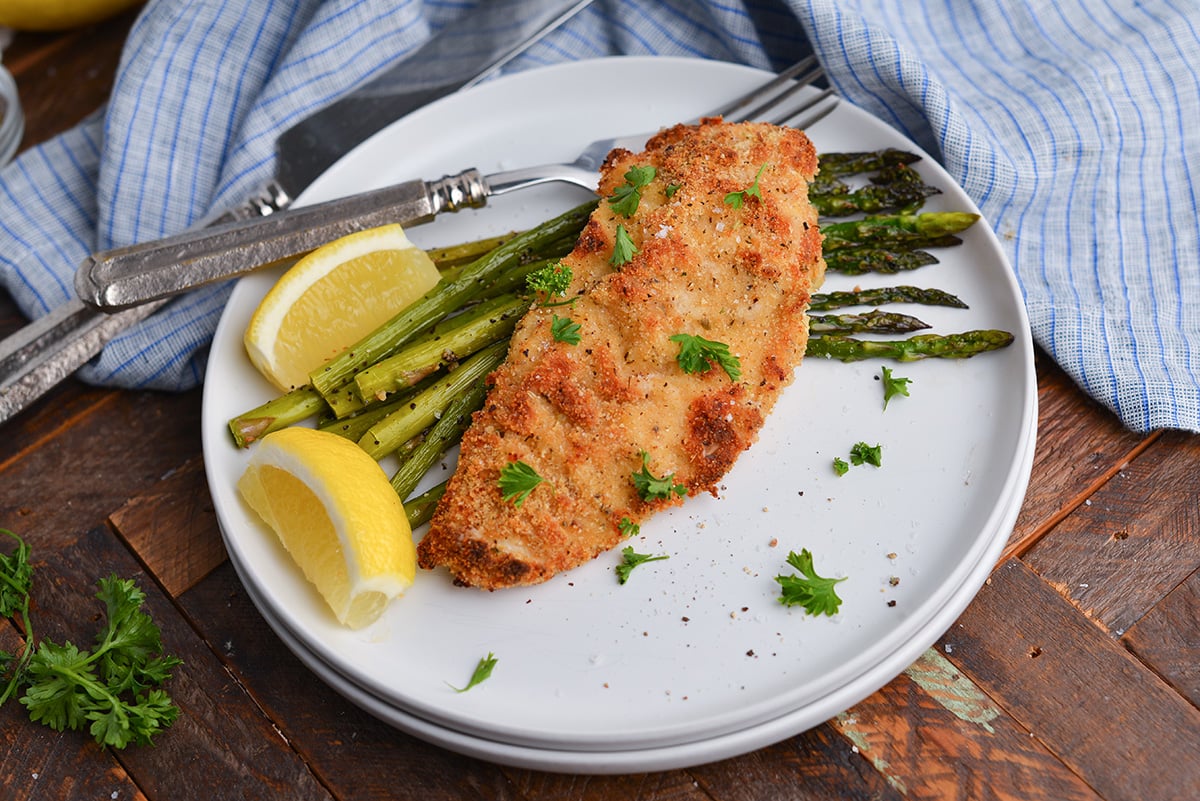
(628,527)
(736,199)
(564,329)
(862,453)
(516,481)
(893,385)
(625,198)
(699,355)
(483,671)
(630,560)
(623,248)
(840,466)
(672,189)
(651,488)
(815,593)
(553,279)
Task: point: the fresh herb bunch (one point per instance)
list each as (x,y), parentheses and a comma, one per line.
(114,689)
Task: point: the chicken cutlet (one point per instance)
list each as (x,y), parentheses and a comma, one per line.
(687,320)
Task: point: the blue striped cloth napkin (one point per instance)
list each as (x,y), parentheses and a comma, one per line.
(1071,124)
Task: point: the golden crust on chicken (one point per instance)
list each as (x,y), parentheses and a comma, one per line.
(635,412)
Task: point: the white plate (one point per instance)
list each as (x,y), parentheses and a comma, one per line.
(695,647)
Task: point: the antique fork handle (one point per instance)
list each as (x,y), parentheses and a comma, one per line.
(130,276)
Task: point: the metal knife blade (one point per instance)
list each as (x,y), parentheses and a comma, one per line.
(45,352)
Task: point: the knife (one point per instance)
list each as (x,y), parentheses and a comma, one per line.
(48,350)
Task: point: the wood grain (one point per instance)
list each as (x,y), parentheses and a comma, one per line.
(172,527)
(1167,638)
(934,715)
(1132,541)
(1109,719)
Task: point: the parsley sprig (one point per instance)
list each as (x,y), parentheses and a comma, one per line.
(736,199)
(652,488)
(810,590)
(553,279)
(483,671)
(516,481)
(623,248)
(114,688)
(625,198)
(893,386)
(699,355)
(630,560)
(564,329)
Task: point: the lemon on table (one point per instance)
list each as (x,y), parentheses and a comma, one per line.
(332,298)
(57,15)
(336,513)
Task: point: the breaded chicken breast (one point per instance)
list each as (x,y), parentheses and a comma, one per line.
(691,318)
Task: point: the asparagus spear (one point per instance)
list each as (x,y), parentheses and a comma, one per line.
(893,189)
(858,260)
(852,163)
(872,322)
(277,413)
(873,296)
(420,509)
(422,409)
(929,229)
(445,432)
(921,346)
(442,300)
(488,323)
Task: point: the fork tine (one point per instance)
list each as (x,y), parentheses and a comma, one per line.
(766,88)
(800,83)
(799,118)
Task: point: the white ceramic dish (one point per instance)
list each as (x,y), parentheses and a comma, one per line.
(695,648)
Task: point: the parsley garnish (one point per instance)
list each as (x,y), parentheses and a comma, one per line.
(564,329)
(628,528)
(840,466)
(862,453)
(625,198)
(699,355)
(16,580)
(736,199)
(630,560)
(516,481)
(815,593)
(623,248)
(553,279)
(483,671)
(651,488)
(893,385)
(113,688)
(672,189)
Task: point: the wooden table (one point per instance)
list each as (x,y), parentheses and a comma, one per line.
(1075,673)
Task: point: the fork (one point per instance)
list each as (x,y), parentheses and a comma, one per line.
(132,276)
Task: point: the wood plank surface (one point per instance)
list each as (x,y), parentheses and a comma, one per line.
(1108,717)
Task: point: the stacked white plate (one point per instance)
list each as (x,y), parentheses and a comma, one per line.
(694,659)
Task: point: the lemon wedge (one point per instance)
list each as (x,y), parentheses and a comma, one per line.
(338,517)
(55,15)
(333,297)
